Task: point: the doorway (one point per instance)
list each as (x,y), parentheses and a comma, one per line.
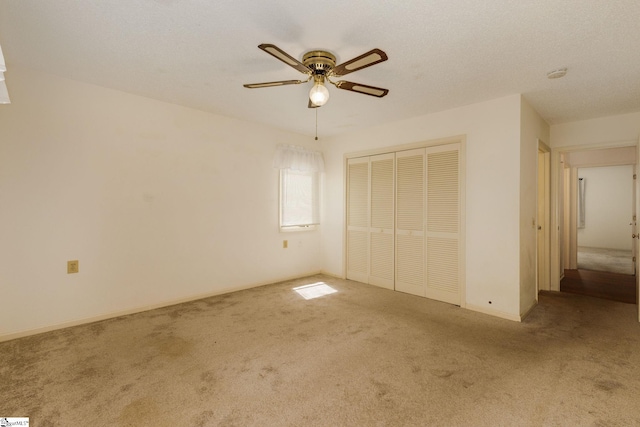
(599,223)
(605,219)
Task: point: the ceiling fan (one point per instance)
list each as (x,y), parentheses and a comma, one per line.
(320,66)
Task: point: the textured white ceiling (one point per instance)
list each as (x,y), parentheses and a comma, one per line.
(442,54)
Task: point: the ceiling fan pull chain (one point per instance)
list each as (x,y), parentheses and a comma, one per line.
(316,123)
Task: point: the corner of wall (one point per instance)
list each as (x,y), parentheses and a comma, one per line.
(532,129)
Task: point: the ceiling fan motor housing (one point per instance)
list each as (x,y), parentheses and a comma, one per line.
(319,61)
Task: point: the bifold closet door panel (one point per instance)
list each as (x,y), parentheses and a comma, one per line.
(358,210)
(410,217)
(443,223)
(381,238)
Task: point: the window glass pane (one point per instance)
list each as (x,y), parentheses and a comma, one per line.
(299,198)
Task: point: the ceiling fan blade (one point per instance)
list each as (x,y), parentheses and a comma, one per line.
(271,84)
(312,105)
(360,88)
(283,56)
(365,60)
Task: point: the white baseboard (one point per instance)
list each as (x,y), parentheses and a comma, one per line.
(337,276)
(528,311)
(495,313)
(111,315)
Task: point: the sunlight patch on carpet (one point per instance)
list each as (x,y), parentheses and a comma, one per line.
(314,290)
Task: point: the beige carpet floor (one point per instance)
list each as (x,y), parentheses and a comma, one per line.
(601,259)
(361,356)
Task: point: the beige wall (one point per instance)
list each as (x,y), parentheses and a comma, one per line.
(601,157)
(532,129)
(162,203)
(157,202)
(608,207)
(603,130)
(493,140)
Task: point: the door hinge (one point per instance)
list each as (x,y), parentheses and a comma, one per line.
(634,259)
(634,176)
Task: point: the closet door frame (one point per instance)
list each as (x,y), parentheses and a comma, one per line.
(461,139)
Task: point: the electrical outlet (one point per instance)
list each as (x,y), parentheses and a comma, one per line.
(285,244)
(73,266)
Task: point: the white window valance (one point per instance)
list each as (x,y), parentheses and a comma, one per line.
(293,157)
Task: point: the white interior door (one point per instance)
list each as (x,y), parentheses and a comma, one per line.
(634,222)
(636,241)
(381,235)
(410,217)
(443,223)
(541,224)
(358,209)
(543,219)
(404,218)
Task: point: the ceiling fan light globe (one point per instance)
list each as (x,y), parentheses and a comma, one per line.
(319,94)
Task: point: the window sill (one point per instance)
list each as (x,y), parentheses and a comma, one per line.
(298,228)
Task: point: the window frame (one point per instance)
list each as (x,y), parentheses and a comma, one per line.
(315,176)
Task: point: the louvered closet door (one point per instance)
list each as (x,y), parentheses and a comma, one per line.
(443,223)
(358,209)
(381,268)
(410,214)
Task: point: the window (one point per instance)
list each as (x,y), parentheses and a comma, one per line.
(299,199)
(300,171)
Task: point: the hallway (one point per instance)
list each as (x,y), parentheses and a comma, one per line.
(611,260)
(600,284)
